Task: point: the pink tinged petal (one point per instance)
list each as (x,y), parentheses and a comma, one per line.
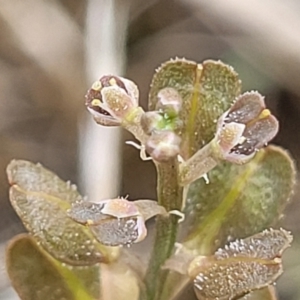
(247,107)
(230,135)
(119,208)
(116,102)
(103,118)
(141,228)
(132,91)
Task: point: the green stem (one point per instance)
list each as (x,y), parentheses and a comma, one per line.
(132,123)
(197,165)
(170,196)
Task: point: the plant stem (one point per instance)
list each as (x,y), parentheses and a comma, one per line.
(170,196)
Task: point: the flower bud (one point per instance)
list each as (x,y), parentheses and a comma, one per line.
(169,102)
(111,99)
(163,145)
(151,121)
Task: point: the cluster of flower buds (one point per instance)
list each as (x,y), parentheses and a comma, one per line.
(113,101)
(161,125)
(116,222)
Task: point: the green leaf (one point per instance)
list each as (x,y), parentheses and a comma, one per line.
(36,275)
(267,293)
(35,178)
(207,91)
(239,201)
(41,200)
(242,266)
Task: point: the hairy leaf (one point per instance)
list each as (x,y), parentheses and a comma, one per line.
(207,91)
(37,275)
(234,277)
(241,267)
(239,201)
(41,200)
(267,293)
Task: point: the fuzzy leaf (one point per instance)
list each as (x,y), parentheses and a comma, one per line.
(36,275)
(35,178)
(242,266)
(207,91)
(235,277)
(41,200)
(239,201)
(267,293)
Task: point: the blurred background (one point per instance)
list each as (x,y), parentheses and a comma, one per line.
(52,51)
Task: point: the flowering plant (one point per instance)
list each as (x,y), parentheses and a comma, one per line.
(219,190)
